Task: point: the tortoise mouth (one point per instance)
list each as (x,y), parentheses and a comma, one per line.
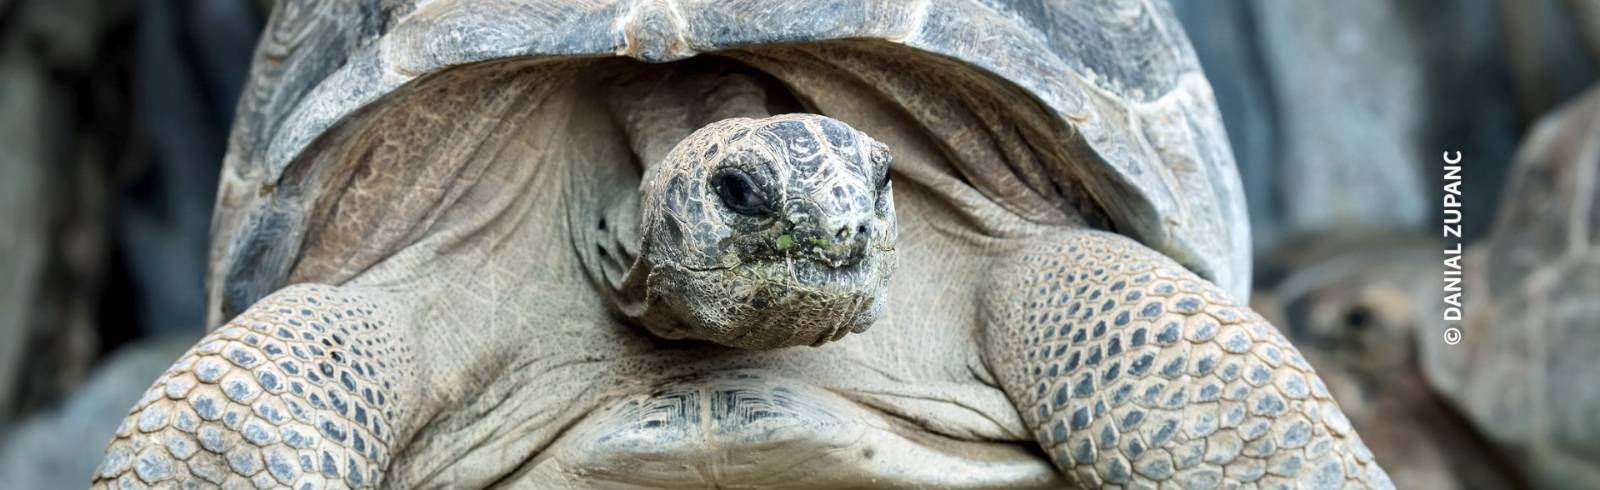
(807,270)
(817,259)
(777,303)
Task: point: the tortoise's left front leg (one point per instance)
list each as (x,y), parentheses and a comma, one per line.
(312,387)
(1133,372)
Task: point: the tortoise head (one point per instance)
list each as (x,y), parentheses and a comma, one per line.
(765,233)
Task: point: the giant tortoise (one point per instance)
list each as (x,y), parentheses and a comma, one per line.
(625,244)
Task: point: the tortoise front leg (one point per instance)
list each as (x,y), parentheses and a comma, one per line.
(1133,372)
(309,388)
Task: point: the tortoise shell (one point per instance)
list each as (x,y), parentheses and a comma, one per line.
(1078,108)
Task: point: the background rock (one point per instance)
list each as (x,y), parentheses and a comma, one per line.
(22,236)
(60,448)
(1338,111)
(113,117)
(55,211)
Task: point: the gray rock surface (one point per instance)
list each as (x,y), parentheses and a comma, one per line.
(165,223)
(1337,111)
(113,119)
(22,238)
(1348,79)
(1316,93)
(52,243)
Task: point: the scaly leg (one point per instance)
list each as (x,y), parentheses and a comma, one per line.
(306,389)
(1133,372)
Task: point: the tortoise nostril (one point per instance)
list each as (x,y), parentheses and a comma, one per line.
(847,233)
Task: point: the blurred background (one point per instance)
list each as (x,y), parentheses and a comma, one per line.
(114,116)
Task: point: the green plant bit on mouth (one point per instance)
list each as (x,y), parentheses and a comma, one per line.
(785,241)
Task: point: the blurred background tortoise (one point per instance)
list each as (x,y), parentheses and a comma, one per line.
(1522,372)
(1359,307)
(1503,408)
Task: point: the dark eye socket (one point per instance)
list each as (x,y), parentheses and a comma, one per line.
(1359,317)
(739,192)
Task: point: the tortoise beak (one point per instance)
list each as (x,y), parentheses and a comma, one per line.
(837,243)
(834,240)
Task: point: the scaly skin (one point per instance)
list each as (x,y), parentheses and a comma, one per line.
(1132,372)
(306,389)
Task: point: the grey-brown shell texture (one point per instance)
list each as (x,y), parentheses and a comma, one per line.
(1106,96)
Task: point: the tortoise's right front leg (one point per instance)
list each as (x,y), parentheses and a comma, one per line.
(309,388)
(1133,372)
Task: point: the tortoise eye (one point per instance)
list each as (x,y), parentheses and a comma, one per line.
(739,192)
